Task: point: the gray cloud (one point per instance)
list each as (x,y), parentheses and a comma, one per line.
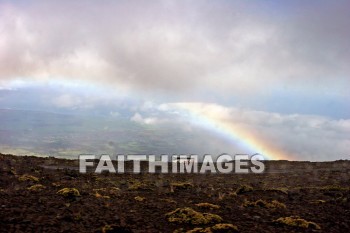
(187,47)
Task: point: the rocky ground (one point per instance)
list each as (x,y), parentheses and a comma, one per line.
(50,195)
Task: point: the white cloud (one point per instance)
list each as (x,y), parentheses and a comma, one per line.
(114,114)
(67,101)
(304,137)
(137,117)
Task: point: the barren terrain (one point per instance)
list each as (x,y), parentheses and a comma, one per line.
(50,195)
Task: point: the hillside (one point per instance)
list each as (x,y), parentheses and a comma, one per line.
(33,197)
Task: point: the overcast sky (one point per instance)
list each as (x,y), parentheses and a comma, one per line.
(277,57)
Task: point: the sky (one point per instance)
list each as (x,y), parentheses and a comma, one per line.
(275,73)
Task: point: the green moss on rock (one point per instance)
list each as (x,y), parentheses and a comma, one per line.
(69,192)
(192,217)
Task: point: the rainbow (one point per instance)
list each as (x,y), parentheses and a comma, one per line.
(214,118)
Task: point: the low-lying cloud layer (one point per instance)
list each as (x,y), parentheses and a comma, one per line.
(297,137)
(293,136)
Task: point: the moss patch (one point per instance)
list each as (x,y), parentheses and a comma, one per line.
(192,217)
(138,198)
(28,178)
(69,192)
(182,185)
(36,187)
(208,205)
(296,221)
(264,204)
(217,228)
(137,185)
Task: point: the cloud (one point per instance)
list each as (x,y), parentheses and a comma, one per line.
(260,54)
(303,137)
(179,48)
(114,114)
(137,117)
(66,101)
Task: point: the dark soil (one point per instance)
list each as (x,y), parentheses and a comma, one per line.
(316,192)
